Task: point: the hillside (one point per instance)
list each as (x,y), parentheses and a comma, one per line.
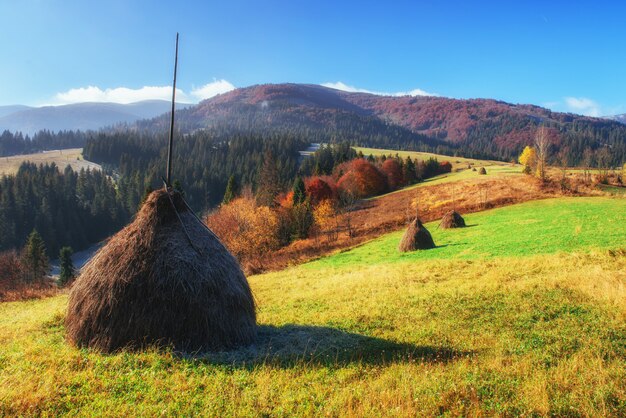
(79,116)
(62,158)
(474,127)
(521,313)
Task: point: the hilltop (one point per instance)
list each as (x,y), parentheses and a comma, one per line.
(474,127)
(78,116)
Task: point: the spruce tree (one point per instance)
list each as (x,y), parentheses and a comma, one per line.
(67,266)
(34,259)
(231,190)
(299,191)
(269,180)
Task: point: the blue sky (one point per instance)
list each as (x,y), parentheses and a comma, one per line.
(568,56)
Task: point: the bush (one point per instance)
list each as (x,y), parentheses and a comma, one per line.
(393,171)
(319,190)
(361,178)
(247,229)
(445,167)
(10,269)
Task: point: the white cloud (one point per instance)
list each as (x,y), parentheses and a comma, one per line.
(583,106)
(126,95)
(212,89)
(344,87)
(118,95)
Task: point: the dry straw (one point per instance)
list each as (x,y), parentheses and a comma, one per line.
(416,237)
(164,280)
(452,219)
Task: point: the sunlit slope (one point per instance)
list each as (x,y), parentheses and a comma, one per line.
(523,313)
(537,227)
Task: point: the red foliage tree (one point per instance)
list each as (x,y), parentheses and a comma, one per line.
(362,179)
(393,171)
(445,167)
(319,190)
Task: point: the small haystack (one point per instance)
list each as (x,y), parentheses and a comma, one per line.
(416,237)
(482,171)
(452,219)
(164,280)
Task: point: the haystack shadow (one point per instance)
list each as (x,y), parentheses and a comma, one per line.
(292,345)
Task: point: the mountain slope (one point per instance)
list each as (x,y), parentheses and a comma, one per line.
(474,127)
(80,116)
(619,118)
(7,110)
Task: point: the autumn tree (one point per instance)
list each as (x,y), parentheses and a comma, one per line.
(34,258)
(362,179)
(393,171)
(319,190)
(247,229)
(325,216)
(528,158)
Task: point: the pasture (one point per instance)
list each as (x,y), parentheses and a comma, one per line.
(62,158)
(522,313)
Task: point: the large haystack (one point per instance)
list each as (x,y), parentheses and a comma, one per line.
(165,279)
(452,219)
(416,237)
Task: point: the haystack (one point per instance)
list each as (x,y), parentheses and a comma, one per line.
(482,171)
(416,237)
(164,280)
(452,219)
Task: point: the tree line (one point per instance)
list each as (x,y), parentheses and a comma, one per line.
(67,208)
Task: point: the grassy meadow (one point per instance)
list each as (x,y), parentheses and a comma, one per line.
(62,158)
(522,313)
(460,170)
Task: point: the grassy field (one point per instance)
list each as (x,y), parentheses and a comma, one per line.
(62,158)
(416,155)
(522,313)
(460,170)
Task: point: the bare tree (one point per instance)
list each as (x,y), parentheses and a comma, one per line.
(542,145)
(563,158)
(587,161)
(347,202)
(604,163)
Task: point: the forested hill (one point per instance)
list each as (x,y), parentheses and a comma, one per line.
(475,127)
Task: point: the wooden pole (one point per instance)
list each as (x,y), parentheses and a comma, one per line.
(169,150)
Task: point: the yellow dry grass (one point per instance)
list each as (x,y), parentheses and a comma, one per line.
(62,158)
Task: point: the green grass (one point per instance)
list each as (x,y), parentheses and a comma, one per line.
(566,224)
(531,321)
(416,155)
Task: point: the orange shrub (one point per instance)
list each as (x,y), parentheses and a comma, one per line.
(319,190)
(247,229)
(361,178)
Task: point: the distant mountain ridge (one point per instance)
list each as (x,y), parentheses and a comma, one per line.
(79,116)
(482,128)
(475,127)
(619,118)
